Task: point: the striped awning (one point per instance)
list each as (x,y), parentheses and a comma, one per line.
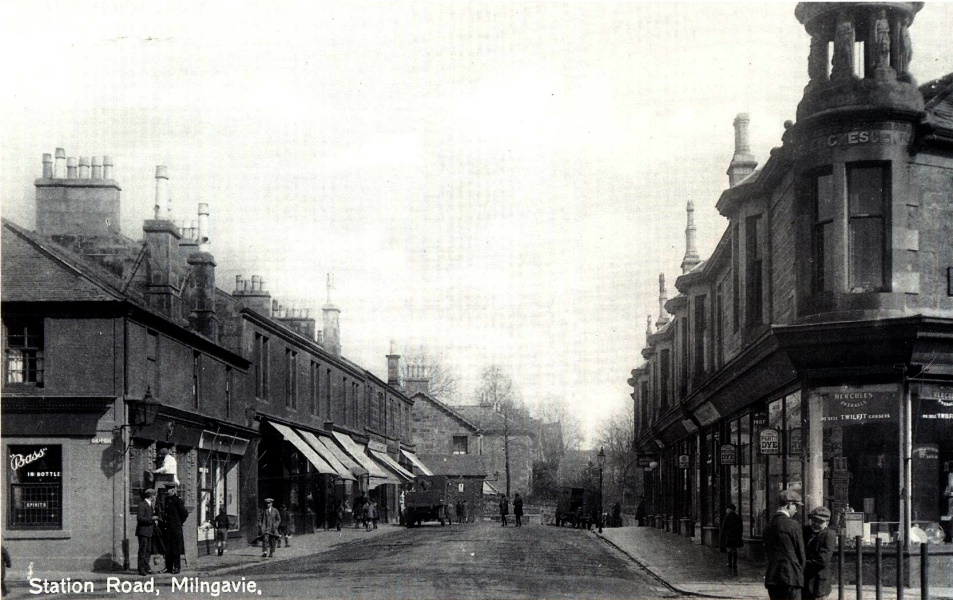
(374,471)
(342,471)
(319,463)
(391,465)
(417,462)
(353,466)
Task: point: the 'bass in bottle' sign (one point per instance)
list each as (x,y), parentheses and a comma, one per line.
(855,406)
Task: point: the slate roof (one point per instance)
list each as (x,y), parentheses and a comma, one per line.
(34,270)
(938,95)
(449,410)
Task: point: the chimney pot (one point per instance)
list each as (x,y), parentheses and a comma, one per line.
(59,169)
(107,167)
(47,166)
(97,167)
(162,192)
(84,167)
(203,227)
(255,283)
(71,167)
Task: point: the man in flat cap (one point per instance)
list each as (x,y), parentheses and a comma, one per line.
(784,549)
(819,542)
(145,528)
(268,528)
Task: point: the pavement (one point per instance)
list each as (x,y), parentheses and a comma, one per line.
(692,569)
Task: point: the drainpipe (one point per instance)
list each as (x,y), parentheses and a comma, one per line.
(906,483)
(124,431)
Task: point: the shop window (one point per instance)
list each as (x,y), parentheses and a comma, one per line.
(35,486)
(824,254)
(23,345)
(217,488)
(931,496)
(460,444)
(866,192)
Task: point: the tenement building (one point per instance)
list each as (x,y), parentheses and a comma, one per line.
(813,350)
(126,367)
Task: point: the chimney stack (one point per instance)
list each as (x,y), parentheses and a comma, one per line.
(662,297)
(742,163)
(393,366)
(648,326)
(691,259)
(162,193)
(252,294)
(162,241)
(70,204)
(332,314)
(203,317)
(417,380)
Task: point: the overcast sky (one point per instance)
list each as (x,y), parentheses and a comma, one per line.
(496,182)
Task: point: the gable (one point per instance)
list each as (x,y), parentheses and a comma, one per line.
(29,274)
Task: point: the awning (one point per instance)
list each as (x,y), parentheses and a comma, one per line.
(417,462)
(353,466)
(489,490)
(319,463)
(356,452)
(391,465)
(323,452)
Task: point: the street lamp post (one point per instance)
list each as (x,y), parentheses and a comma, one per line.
(602,464)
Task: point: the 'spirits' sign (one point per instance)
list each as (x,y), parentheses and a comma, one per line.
(860,406)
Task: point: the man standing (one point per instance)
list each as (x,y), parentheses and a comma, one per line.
(784,549)
(268,528)
(819,542)
(518,510)
(504,509)
(145,529)
(732,531)
(175,516)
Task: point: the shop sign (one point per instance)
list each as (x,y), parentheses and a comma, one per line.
(855,406)
(794,441)
(689,425)
(759,420)
(683,461)
(645,460)
(377,446)
(936,402)
(707,414)
(770,441)
(728,454)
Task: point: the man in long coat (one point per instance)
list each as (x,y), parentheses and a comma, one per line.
(268,528)
(145,530)
(504,509)
(175,515)
(784,549)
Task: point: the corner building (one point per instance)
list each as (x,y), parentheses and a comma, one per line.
(813,350)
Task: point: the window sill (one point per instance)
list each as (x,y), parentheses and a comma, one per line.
(37,534)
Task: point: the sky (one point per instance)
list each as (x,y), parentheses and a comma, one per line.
(495,182)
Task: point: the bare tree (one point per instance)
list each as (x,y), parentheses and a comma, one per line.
(617,435)
(555,409)
(496,390)
(442,380)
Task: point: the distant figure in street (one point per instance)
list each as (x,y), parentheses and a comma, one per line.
(459,511)
(175,516)
(339,513)
(285,529)
(640,512)
(466,511)
(784,550)
(504,509)
(616,515)
(819,542)
(518,510)
(371,510)
(268,525)
(145,529)
(360,515)
(731,533)
(221,530)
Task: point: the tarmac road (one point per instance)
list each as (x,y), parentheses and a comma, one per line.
(478,561)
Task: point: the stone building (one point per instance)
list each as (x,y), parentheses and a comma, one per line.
(812,350)
(117,349)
